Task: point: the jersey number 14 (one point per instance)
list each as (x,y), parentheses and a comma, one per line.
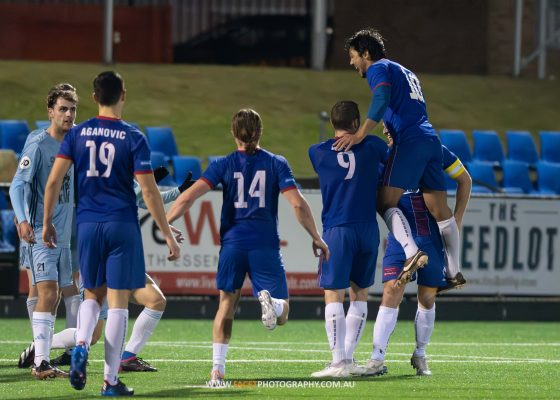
(257,189)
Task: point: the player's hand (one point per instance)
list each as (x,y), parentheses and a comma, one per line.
(26,233)
(49,236)
(174,250)
(320,249)
(345,142)
(187,183)
(178,234)
(160,173)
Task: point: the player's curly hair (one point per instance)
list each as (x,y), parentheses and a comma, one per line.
(345,116)
(246,126)
(369,40)
(64,90)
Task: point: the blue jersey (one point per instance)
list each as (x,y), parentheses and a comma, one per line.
(412,202)
(406,116)
(251,186)
(106,153)
(348,180)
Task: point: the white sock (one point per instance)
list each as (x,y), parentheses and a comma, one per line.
(88,314)
(219,353)
(335,325)
(31,302)
(278,306)
(42,322)
(400,228)
(424,326)
(355,324)
(115,333)
(64,339)
(72,305)
(382,330)
(143,329)
(450,236)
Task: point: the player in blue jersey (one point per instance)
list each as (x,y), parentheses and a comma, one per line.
(430,278)
(348,183)
(252,179)
(415,159)
(107,154)
(51,268)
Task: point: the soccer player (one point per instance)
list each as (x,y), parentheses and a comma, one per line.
(51,267)
(431,278)
(416,157)
(107,154)
(349,190)
(252,179)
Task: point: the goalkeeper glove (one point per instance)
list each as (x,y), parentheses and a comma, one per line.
(160,173)
(187,183)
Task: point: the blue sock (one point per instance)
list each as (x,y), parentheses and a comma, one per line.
(127,354)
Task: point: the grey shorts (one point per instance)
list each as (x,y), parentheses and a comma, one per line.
(51,264)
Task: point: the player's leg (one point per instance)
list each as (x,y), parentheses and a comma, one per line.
(424,326)
(153,300)
(356,319)
(27,357)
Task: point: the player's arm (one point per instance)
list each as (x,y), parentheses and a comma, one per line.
(52,191)
(305,218)
(24,229)
(187,199)
(152,198)
(462,196)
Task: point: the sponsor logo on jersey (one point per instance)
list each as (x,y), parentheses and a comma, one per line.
(25,162)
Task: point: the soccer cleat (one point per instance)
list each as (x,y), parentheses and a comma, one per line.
(118,389)
(416,262)
(375,368)
(27,357)
(268,314)
(216,379)
(338,370)
(453,283)
(46,370)
(136,364)
(354,368)
(421,366)
(63,359)
(78,367)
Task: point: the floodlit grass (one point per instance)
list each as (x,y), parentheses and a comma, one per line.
(469,360)
(199,101)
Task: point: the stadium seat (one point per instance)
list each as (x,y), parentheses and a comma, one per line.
(548,177)
(521,147)
(183,164)
(456,141)
(487,147)
(483,176)
(8,230)
(162,139)
(159,160)
(550,146)
(14,133)
(42,123)
(516,175)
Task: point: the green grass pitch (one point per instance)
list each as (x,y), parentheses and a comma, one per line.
(471,360)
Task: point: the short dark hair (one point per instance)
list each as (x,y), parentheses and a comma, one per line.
(108,87)
(247,127)
(345,116)
(64,90)
(369,40)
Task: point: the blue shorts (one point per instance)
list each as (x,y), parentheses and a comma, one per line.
(111,253)
(51,264)
(432,275)
(416,164)
(264,266)
(353,256)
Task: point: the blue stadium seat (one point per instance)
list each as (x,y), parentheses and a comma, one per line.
(14,133)
(8,229)
(548,179)
(521,147)
(487,147)
(550,146)
(183,164)
(162,139)
(42,123)
(3,200)
(159,160)
(516,175)
(482,173)
(456,141)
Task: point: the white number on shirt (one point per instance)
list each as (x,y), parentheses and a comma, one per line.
(414,83)
(350,164)
(106,157)
(256,189)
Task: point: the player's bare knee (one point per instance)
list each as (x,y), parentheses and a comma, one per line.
(283,318)
(426,297)
(159,303)
(392,296)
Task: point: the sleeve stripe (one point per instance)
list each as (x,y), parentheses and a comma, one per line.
(380,84)
(143,172)
(288,188)
(64,156)
(203,179)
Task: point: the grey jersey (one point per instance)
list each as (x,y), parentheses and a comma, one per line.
(34,167)
(167,197)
